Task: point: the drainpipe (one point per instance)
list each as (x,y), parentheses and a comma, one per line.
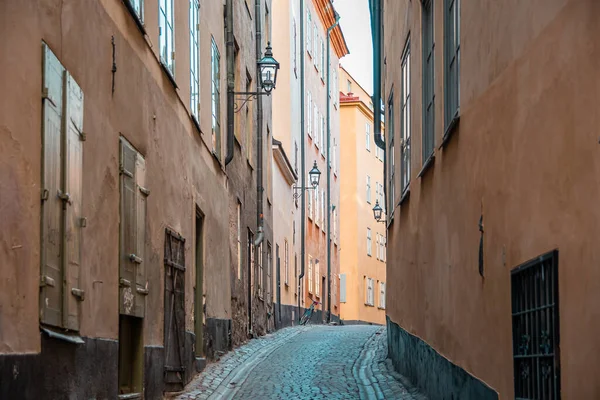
(230,78)
(260,222)
(302,160)
(328,167)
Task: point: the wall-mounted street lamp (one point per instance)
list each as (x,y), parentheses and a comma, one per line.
(268,79)
(314,176)
(377,212)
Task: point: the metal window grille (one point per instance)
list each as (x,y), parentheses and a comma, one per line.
(535,322)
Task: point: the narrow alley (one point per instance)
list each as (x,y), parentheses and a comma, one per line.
(316,362)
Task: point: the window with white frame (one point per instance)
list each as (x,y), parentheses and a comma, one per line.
(309,114)
(239,240)
(195,58)
(451,63)
(260,279)
(377,246)
(348,86)
(286,261)
(381,294)
(317,278)
(295,48)
(369,292)
(308,33)
(165,35)
(323,209)
(323,143)
(317,208)
(369,241)
(315,44)
(391,156)
(309,198)
(316,123)
(322,59)
(310,274)
(384,248)
(406,121)
(368,136)
(138,8)
(368,189)
(216,98)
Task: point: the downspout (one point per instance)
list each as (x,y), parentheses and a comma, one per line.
(230,78)
(259,125)
(375,8)
(328,166)
(302,161)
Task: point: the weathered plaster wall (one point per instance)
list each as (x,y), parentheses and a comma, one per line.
(524,152)
(145,109)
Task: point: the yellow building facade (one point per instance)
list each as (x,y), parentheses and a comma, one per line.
(363,240)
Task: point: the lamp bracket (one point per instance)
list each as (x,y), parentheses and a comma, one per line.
(245,97)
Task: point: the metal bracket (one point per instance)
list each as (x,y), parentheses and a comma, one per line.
(45,194)
(142,291)
(245,97)
(45,280)
(145,192)
(135,259)
(66,197)
(79,293)
(299,191)
(83,222)
(124,282)
(46,96)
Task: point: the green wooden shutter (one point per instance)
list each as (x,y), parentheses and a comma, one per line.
(128,243)
(51,280)
(73,293)
(141,285)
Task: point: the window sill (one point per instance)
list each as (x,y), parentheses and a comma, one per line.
(71,338)
(323,82)
(369,305)
(323,156)
(169,74)
(427,164)
(136,17)
(369,255)
(405,196)
(452,127)
(196,124)
(381,308)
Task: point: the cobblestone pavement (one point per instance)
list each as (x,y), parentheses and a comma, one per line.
(314,362)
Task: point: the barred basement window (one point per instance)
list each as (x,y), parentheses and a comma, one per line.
(535,322)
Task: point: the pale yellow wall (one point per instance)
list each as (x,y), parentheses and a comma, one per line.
(356,212)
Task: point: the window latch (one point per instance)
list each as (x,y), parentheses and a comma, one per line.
(65,197)
(135,259)
(80,294)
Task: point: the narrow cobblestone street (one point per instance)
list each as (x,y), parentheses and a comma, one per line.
(314,362)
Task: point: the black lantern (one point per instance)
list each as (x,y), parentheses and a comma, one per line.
(268,70)
(315,175)
(377,210)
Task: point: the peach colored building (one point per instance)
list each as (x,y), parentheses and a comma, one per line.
(362,270)
(493,185)
(310,48)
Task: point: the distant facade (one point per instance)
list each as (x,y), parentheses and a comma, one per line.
(130,242)
(492,180)
(308,45)
(362,270)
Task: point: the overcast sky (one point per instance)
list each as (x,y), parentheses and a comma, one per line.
(356,25)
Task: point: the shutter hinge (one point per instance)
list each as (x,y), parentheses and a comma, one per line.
(145,192)
(66,197)
(82,136)
(173,55)
(142,291)
(46,96)
(83,222)
(45,280)
(45,194)
(124,171)
(135,259)
(79,293)
(124,282)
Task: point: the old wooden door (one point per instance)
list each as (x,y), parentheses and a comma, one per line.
(174,334)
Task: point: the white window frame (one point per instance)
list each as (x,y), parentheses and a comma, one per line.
(239,239)
(138,8)
(166,32)
(369,244)
(215,73)
(309,114)
(369,292)
(286,261)
(382,295)
(317,279)
(308,33)
(310,274)
(368,136)
(369,189)
(195,59)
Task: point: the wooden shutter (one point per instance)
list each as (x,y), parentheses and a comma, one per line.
(128,230)
(141,284)
(73,188)
(51,280)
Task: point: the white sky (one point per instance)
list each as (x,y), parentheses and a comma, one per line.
(355,21)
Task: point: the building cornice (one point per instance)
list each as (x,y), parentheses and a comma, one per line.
(284,163)
(327,15)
